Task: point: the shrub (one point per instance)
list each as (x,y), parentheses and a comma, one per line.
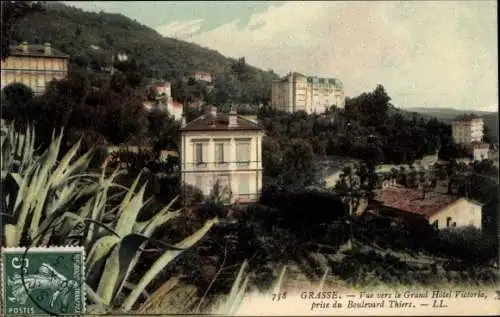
(468,244)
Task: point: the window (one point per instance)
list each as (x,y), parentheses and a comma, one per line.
(448,222)
(243,185)
(198,153)
(243,153)
(41,82)
(199,182)
(219,153)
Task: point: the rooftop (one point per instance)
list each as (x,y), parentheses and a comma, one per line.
(159,82)
(467,117)
(314,79)
(410,200)
(36,50)
(220,122)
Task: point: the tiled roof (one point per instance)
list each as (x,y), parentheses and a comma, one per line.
(36,50)
(313,79)
(319,80)
(410,200)
(219,123)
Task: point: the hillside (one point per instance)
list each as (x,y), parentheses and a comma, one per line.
(92,38)
(447,115)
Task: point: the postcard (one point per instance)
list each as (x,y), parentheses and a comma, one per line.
(249,158)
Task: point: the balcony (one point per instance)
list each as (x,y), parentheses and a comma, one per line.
(222,164)
(208,166)
(246,198)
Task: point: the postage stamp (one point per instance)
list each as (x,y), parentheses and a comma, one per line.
(43,281)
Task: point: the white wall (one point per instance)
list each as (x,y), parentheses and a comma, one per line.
(230,172)
(463,212)
(465,132)
(285,98)
(480,154)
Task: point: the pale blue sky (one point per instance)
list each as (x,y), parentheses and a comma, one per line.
(157,13)
(425,53)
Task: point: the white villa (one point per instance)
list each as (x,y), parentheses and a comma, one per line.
(226,148)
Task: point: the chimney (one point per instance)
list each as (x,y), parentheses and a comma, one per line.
(233,118)
(24,47)
(183,122)
(48,50)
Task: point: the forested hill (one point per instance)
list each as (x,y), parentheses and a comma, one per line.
(91,38)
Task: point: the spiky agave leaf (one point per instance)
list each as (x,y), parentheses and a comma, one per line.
(118,269)
(100,249)
(279,281)
(163,261)
(117,265)
(158,296)
(237,291)
(156,222)
(127,216)
(25,201)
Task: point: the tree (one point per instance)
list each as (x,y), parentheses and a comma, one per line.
(16,101)
(426,182)
(272,161)
(297,164)
(13,12)
(163,130)
(191,195)
(220,194)
(349,189)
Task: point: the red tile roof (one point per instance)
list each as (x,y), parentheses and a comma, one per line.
(410,200)
(220,123)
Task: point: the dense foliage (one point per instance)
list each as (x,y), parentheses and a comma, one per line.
(366,129)
(12,12)
(101,111)
(60,202)
(91,39)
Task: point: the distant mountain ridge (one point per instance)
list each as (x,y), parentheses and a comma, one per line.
(447,112)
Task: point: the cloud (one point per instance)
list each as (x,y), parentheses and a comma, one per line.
(180,29)
(435,54)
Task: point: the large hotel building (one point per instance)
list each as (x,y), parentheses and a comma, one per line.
(34,66)
(311,94)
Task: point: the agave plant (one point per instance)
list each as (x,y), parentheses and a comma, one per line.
(37,190)
(47,199)
(233,301)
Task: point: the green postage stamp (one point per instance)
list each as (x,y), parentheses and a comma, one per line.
(43,281)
